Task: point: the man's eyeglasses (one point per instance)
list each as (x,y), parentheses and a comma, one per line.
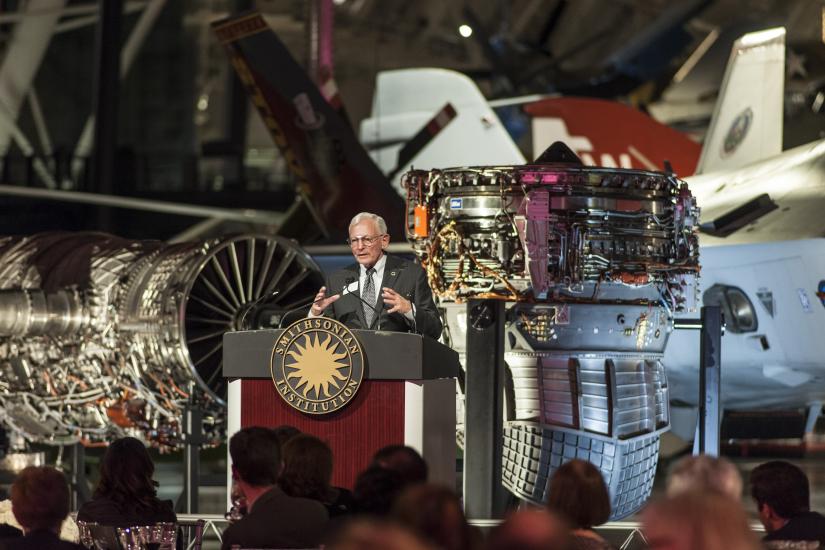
(368,241)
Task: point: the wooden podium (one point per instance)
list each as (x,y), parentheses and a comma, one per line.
(407,396)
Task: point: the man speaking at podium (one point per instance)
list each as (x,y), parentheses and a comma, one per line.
(379,292)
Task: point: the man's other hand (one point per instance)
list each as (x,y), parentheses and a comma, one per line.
(397,302)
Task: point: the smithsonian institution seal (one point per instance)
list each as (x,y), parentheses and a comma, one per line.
(317,365)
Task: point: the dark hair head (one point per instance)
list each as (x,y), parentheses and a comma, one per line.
(375,490)
(404,460)
(40,498)
(434,513)
(782,486)
(256,455)
(126,476)
(578,493)
(307,468)
(284,433)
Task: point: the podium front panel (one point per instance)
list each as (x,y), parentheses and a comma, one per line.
(374,419)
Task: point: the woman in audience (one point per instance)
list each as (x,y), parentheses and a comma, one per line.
(307,473)
(578,494)
(691,520)
(126,494)
(434,513)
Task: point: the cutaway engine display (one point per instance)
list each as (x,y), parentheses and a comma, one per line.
(102,336)
(595,261)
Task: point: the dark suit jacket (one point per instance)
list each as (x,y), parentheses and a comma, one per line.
(278,520)
(39,540)
(407,279)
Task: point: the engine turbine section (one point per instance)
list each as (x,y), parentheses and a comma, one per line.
(596,261)
(102,336)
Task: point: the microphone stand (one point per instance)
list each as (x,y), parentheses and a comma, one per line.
(251,306)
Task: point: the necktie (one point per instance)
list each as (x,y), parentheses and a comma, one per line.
(369,297)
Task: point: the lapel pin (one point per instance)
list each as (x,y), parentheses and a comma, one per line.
(392,273)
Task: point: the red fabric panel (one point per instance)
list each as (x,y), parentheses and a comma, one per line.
(373,419)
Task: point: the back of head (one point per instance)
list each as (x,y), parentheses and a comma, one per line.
(40,498)
(434,513)
(307,467)
(376,535)
(126,475)
(256,456)
(404,460)
(705,473)
(710,521)
(782,486)
(530,529)
(375,490)
(284,433)
(578,493)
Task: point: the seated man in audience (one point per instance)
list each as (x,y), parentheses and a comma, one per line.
(782,497)
(274,519)
(40,503)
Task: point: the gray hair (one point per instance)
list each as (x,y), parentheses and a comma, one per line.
(705,473)
(379,221)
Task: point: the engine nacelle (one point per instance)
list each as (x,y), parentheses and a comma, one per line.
(102,336)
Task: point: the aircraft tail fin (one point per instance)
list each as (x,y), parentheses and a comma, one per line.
(406,99)
(335,175)
(608,133)
(746,125)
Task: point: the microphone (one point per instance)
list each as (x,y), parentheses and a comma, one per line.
(252,304)
(375,310)
(290,311)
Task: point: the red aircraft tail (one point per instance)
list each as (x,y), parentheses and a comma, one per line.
(607,133)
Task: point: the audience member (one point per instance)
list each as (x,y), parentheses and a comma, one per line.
(434,513)
(705,473)
(782,496)
(578,494)
(40,502)
(375,535)
(530,529)
(375,491)
(404,460)
(126,494)
(307,473)
(695,520)
(285,432)
(274,519)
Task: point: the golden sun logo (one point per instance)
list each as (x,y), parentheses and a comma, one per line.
(317,365)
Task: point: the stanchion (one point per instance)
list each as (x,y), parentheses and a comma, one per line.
(484,495)
(711,328)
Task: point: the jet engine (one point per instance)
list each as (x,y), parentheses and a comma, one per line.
(102,336)
(595,262)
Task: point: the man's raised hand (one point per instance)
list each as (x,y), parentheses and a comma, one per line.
(322,301)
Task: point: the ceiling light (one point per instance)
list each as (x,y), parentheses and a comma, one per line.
(465,30)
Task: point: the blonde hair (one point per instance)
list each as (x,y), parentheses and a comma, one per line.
(710,521)
(705,473)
